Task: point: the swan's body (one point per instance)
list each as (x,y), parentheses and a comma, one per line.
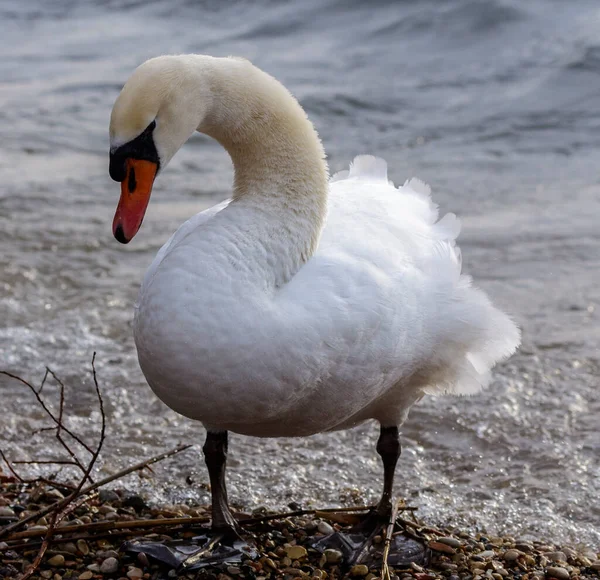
(378,315)
(299,306)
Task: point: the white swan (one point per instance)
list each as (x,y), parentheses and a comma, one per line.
(300,305)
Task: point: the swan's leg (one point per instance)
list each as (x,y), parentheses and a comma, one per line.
(215,456)
(388,447)
(357,544)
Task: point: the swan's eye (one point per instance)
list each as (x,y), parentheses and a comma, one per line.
(142,148)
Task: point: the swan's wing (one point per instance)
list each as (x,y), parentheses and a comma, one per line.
(383,297)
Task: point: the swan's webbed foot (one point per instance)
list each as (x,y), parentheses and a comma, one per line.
(364,542)
(217,547)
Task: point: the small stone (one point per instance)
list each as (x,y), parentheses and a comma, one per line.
(3,546)
(487,554)
(37,528)
(109,566)
(111,516)
(296,552)
(106,509)
(556,556)
(449,541)
(107,495)
(143,559)
(85,575)
(511,555)
(46,573)
(595,565)
(70,547)
(269,562)
(233,570)
(440,547)
(557,572)
(524,547)
(94,568)
(83,547)
(325,528)
(359,570)
(333,556)
(57,560)
(134,573)
(6,512)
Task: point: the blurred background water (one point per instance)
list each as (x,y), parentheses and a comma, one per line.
(495,103)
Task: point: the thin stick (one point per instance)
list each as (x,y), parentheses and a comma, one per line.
(385,570)
(10,467)
(45,407)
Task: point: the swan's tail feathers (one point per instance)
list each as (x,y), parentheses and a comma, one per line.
(368,167)
(339,176)
(473,337)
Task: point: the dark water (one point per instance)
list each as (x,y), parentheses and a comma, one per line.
(495,103)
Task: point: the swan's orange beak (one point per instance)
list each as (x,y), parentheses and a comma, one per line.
(135,195)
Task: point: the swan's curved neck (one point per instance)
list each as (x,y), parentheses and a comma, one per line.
(278,159)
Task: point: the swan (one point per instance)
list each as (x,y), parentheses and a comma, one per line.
(303,304)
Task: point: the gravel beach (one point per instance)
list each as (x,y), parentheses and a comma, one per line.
(90,543)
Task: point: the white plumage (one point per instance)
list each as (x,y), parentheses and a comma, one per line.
(253,318)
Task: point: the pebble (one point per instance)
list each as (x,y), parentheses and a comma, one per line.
(46,573)
(556,556)
(325,528)
(143,559)
(487,554)
(107,495)
(70,547)
(524,547)
(109,566)
(57,560)
(296,552)
(333,556)
(134,573)
(439,547)
(83,547)
(93,568)
(511,555)
(85,575)
(359,570)
(595,565)
(3,545)
(452,542)
(557,572)
(6,512)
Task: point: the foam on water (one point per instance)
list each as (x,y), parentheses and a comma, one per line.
(494,104)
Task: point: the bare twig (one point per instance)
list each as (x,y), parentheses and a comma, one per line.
(44,381)
(385,570)
(10,467)
(46,409)
(69,502)
(62,503)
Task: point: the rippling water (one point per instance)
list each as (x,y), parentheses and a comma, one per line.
(496,104)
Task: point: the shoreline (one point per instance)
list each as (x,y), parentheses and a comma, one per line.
(91,545)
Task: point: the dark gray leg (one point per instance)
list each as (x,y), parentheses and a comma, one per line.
(215,456)
(388,447)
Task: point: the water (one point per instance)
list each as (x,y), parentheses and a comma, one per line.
(494,103)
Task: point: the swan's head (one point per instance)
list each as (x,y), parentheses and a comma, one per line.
(154,115)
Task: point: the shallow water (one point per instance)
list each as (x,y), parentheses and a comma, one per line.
(494,103)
